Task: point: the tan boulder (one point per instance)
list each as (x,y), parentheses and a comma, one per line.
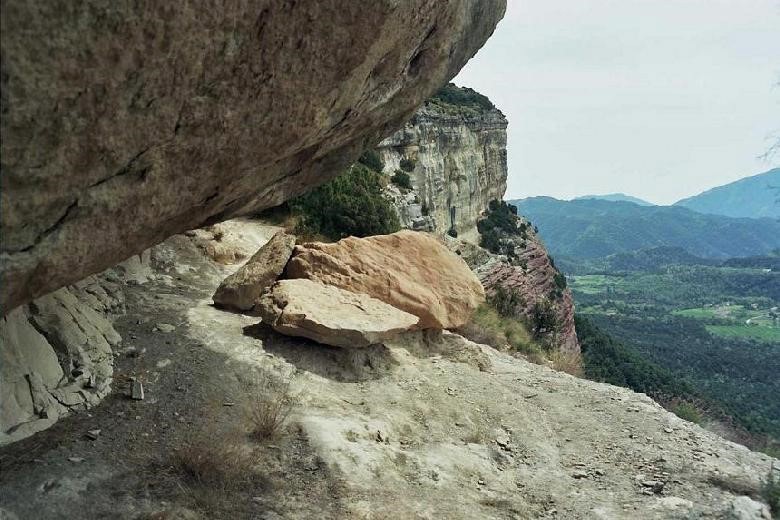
(410,270)
(330,315)
(242,289)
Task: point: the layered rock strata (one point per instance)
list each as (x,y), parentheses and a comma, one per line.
(56,356)
(457,158)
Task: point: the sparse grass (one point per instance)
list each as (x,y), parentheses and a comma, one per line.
(269,408)
(488,327)
(212,467)
(686,410)
(569,362)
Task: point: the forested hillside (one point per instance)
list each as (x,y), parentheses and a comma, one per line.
(586,229)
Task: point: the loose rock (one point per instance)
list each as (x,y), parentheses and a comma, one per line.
(410,270)
(330,315)
(241,290)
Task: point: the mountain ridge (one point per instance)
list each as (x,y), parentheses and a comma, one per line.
(596,228)
(755,196)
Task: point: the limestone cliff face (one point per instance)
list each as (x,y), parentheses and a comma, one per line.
(456,157)
(124,123)
(458,165)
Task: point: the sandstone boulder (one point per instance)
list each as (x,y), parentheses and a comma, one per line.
(190,114)
(241,289)
(410,270)
(330,315)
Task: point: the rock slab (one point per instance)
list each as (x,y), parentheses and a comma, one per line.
(241,290)
(412,271)
(192,115)
(330,315)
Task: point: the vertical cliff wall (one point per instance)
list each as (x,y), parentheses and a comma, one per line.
(455,155)
(454,152)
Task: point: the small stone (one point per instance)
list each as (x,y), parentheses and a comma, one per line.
(93,434)
(76,459)
(668,430)
(580,474)
(137,391)
(164,328)
(656,486)
(480,482)
(228,403)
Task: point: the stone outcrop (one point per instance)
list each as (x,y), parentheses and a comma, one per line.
(125,123)
(55,356)
(458,160)
(241,290)
(409,270)
(332,316)
(532,275)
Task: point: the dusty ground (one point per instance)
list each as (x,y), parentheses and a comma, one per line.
(428,427)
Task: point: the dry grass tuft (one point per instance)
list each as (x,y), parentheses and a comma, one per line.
(269,408)
(212,467)
(569,362)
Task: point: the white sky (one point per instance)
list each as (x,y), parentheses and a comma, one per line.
(660,99)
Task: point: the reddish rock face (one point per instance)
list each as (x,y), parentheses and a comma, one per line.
(534,283)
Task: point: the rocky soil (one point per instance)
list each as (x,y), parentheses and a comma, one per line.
(427,426)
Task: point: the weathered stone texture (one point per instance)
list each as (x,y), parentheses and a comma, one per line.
(410,270)
(241,290)
(459,159)
(124,122)
(330,315)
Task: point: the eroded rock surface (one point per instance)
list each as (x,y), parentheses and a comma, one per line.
(332,316)
(55,356)
(409,270)
(458,165)
(241,290)
(124,123)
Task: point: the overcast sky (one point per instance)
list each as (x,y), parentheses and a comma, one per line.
(660,99)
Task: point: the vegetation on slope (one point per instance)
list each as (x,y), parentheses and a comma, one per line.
(589,229)
(456,98)
(352,204)
(715,327)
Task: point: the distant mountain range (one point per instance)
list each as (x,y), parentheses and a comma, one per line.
(616,197)
(591,228)
(756,196)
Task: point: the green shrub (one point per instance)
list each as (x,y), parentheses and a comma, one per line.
(488,327)
(770,492)
(407,165)
(544,321)
(687,411)
(500,221)
(350,204)
(507,302)
(371,159)
(451,94)
(401,179)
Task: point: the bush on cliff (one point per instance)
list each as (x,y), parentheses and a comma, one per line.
(401,179)
(451,94)
(351,204)
(500,221)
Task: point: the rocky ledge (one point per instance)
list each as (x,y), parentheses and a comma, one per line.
(189,115)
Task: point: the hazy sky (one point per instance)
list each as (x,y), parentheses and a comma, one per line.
(660,99)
